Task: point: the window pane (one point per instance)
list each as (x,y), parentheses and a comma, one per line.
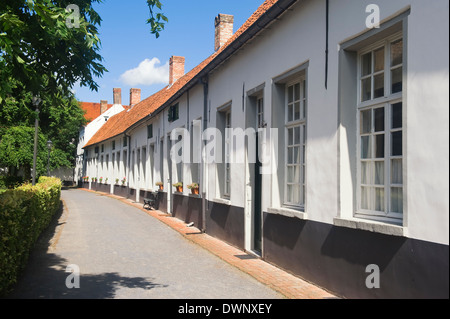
(304,88)
(297,135)
(397,80)
(366,64)
(290,155)
(289,194)
(290,112)
(397,171)
(304,133)
(366,89)
(365,191)
(365,173)
(303,174)
(296,174)
(379,199)
(290,174)
(290,94)
(379,119)
(365,147)
(366,121)
(378,90)
(379,59)
(379,173)
(303,153)
(397,200)
(297,92)
(297,155)
(397,121)
(379,146)
(296,194)
(290,136)
(297,111)
(397,144)
(396,52)
(305,105)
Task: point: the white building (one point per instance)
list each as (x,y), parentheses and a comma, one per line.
(356,180)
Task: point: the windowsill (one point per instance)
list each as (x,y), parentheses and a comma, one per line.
(288,212)
(222,201)
(195,196)
(372,226)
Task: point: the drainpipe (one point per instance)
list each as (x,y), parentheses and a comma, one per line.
(127,173)
(205,83)
(327,27)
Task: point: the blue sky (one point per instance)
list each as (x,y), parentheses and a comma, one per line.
(135,58)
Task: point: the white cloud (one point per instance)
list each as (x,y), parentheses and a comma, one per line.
(148,72)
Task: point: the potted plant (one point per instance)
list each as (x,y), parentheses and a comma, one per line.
(124,180)
(117,181)
(194,187)
(106,180)
(160,185)
(179,187)
(101,179)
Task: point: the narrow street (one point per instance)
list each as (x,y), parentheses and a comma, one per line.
(122,252)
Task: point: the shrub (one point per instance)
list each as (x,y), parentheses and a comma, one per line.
(24,213)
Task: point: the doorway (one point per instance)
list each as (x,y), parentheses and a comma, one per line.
(254,218)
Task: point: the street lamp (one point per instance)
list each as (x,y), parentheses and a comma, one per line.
(49,146)
(36,102)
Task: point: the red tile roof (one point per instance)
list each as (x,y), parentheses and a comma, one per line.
(92,110)
(119,123)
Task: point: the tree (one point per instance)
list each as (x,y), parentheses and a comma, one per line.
(60,120)
(16,151)
(36,41)
(46,46)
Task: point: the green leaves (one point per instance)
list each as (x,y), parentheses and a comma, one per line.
(157,21)
(24,213)
(36,41)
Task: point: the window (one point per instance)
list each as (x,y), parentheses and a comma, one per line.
(113,145)
(260,112)
(125,141)
(103,148)
(380,129)
(150,131)
(174,113)
(227,176)
(295,126)
(96,150)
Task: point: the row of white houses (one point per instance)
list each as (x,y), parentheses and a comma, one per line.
(350,119)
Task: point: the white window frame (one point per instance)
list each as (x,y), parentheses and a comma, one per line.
(386,101)
(302,124)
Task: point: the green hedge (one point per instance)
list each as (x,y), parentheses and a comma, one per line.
(24,213)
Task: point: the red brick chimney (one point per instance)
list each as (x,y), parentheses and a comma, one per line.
(103,106)
(176,68)
(135,97)
(224,29)
(117,95)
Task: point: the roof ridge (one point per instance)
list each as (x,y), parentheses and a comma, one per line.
(147,106)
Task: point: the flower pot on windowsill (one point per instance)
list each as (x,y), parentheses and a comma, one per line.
(160,186)
(194,187)
(179,187)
